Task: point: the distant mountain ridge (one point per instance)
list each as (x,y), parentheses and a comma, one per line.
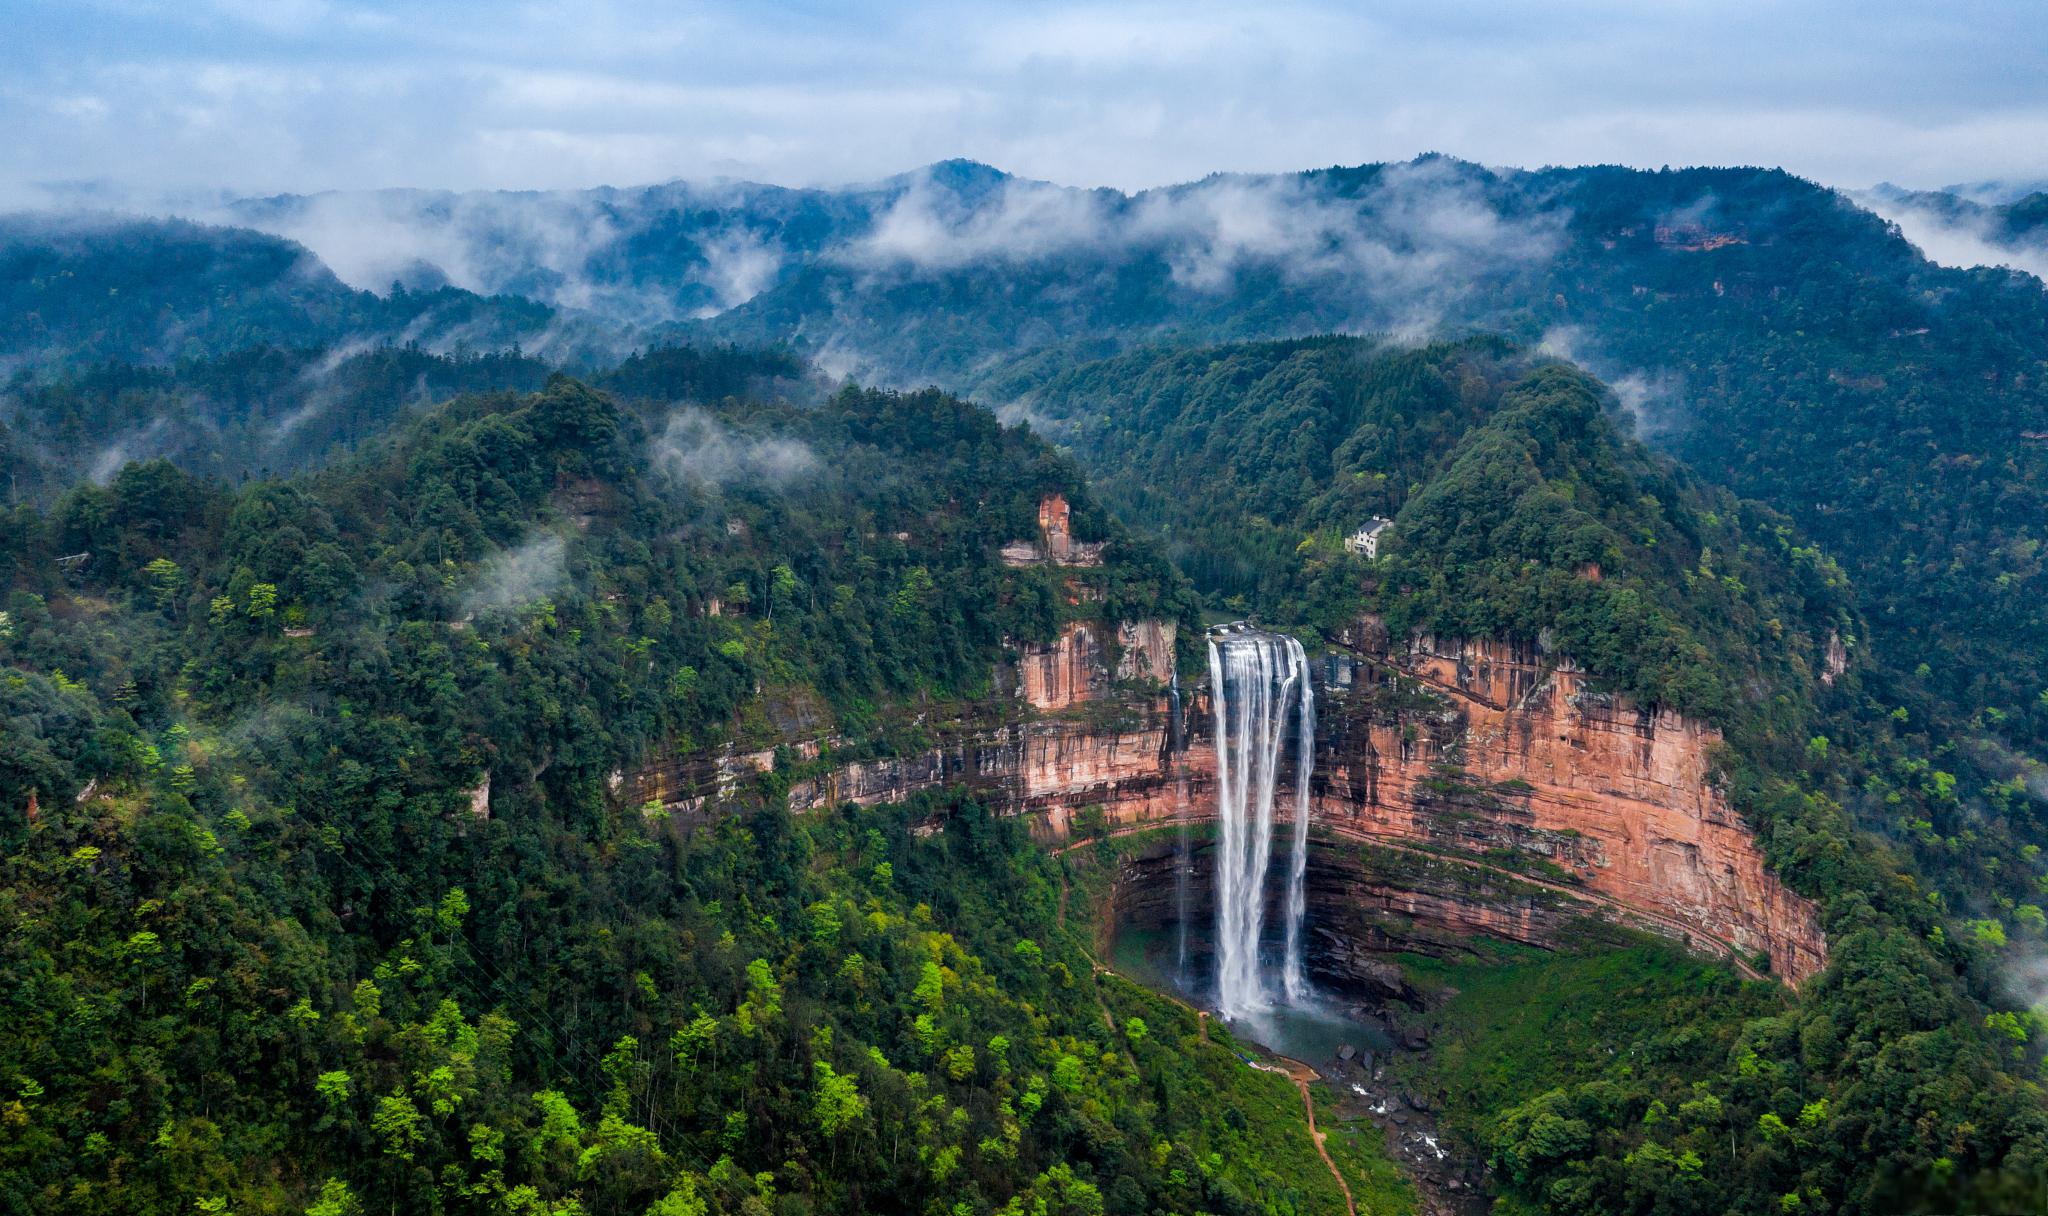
(853,274)
(78,289)
(1785,341)
(2008,227)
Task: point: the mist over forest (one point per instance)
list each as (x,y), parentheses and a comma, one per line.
(1507,680)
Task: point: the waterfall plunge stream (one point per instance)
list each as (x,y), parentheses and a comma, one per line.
(1257,681)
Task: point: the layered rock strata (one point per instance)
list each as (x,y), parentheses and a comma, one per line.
(1505,796)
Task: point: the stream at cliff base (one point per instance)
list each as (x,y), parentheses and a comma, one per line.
(1311,1033)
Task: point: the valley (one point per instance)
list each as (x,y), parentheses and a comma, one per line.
(576,743)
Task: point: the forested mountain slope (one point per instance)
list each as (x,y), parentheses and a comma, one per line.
(1255,462)
(1520,510)
(84,289)
(279,409)
(272,942)
(1782,340)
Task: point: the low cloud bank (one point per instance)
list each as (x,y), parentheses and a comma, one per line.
(1398,247)
(1405,248)
(569,249)
(700,450)
(533,571)
(1963,236)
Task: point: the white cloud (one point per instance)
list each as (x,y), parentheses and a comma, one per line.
(738,265)
(1409,246)
(700,450)
(1123,36)
(1026,222)
(532,571)
(1959,240)
(318,94)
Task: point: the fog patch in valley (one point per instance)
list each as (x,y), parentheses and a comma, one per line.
(1963,239)
(1653,399)
(930,229)
(534,570)
(842,363)
(1398,256)
(147,443)
(738,265)
(1023,411)
(700,450)
(567,249)
(2026,979)
(478,242)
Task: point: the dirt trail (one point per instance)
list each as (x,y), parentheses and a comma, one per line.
(1309,1104)
(1294,1070)
(1302,1076)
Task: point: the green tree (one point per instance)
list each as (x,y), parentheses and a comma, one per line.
(837,1103)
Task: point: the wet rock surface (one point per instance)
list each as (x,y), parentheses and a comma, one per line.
(1461,788)
(1448,1180)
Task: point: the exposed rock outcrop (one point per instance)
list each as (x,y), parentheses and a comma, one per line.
(1076,666)
(696,784)
(1503,795)
(1064,672)
(1835,660)
(1055,544)
(1145,650)
(1525,758)
(1049,769)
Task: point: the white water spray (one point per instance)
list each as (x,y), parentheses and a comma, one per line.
(1175,746)
(1254,678)
(1293,979)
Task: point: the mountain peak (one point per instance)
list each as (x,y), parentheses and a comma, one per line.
(962,172)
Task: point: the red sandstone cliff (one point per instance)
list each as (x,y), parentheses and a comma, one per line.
(1469,752)
(1525,757)
(1055,544)
(1076,667)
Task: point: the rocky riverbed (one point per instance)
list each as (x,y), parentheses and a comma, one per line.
(1448,1180)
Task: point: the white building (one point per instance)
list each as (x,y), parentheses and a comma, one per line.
(1366,540)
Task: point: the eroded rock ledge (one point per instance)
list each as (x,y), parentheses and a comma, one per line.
(1506,797)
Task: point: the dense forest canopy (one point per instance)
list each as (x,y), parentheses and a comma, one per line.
(1782,340)
(262,954)
(1521,509)
(332,615)
(254,720)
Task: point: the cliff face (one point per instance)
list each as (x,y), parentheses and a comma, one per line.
(1461,788)
(1055,543)
(1076,666)
(1049,769)
(1521,756)
(1365,902)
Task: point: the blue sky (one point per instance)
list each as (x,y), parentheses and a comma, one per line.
(256,96)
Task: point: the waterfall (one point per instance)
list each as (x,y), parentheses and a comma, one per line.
(1293,980)
(1255,679)
(1181,860)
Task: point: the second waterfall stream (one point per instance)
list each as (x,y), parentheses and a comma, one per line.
(1260,685)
